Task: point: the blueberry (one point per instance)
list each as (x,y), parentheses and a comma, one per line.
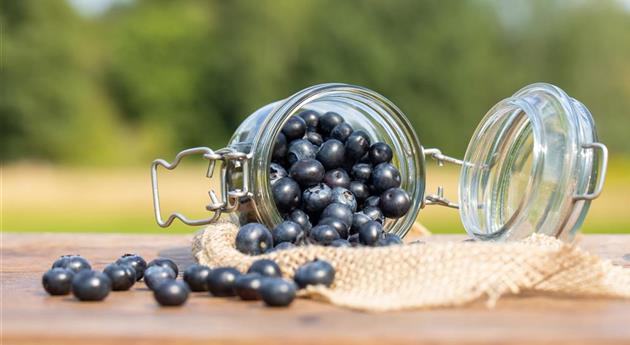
(171,293)
(300,217)
(221,281)
(337,224)
(395,202)
(354,240)
(196,277)
(286,194)
(154,276)
(122,276)
(384,177)
(316,198)
(165,263)
(318,272)
(380,153)
(360,191)
(247,286)
(339,211)
(327,122)
(307,172)
(311,118)
(280,148)
(315,138)
(294,128)
(287,231)
(331,154)
(89,285)
(324,234)
(58,281)
(343,196)
(337,178)
(281,246)
(358,219)
(357,145)
(341,132)
(362,172)
(253,239)
(301,149)
(266,268)
(75,263)
(389,239)
(340,243)
(374,213)
(136,262)
(277,292)
(276,172)
(373,201)
(370,233)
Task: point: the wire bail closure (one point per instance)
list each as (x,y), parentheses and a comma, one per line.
(230,198)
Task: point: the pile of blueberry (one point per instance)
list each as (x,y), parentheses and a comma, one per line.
(327,174)
(263,280)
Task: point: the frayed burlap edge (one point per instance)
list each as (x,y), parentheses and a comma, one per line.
(433,274)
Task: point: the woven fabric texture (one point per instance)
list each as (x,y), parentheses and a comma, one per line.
(425,275)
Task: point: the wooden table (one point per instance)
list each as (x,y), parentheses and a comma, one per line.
(30,316)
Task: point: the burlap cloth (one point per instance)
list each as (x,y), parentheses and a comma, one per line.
(434,274)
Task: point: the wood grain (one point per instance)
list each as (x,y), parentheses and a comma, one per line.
(29,316)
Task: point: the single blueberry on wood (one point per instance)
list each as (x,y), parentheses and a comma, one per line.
(307,172)
(221,281)
(394,203)
(287,231)
(294,128)
(172,293)
(136,262)
(155,276)
(337,178)
(370,233)
(75,263)
(327,122)
(317,272)
(247,286)
(253,239)
(380,153)
(331,154)
(266,268)
(164,262)
(122,276)
(88,285)
(324,234)
(277,292)
(58,281)
(196,277)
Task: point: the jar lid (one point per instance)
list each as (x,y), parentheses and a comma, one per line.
(531,167)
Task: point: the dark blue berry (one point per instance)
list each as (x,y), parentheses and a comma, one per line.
(327,122)
(172,293)
(318,272)
(331,154)
(88,285)
(345,197)
(324,234)
(266,268)
(287,231)
(155,276)
(136,262)
(373,201)
(286,194)
(341,132)
(277,292)
(165,263)
(301,149)
(276,172)
(307,172)
(280,148)
(357,145)
(196,277)
(300,217)
(370,233)
(374,213)
(316,198)
(360,191)
(315,138)
(221,281)
(340,243)
(337,224)
(122,276)
(337,178)
(358,219)
(247,286)
(294,128)
(75,263)
(58,281)
(384,177)
(354,240)
(311,118)
(380,153)
(389,239)
(281,246)
(395,203)
(362,172)
(339,211)
(253,239)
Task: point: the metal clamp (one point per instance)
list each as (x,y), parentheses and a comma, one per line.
(602,172)
(438,198)
(229,201)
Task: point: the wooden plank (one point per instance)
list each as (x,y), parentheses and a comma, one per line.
(30,316)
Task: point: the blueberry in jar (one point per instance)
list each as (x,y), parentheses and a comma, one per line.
(331,154)
(307,172)
(58,281)
(122,276)
(154,276)
(389,239)
(286,194)
(136,262)
(221,281)
(294,128)
(394,203)
(196,277)
(301,149)
(374,213)
(340,243)
(360,191)
(277,292)
(324,234)
(372,201)
(354,240)
(327,122)
(171,294)
(358,219)
(316,198)
(266,268)
(247,286)
(317,272)
(341,132)
(88,285)
(380,153)
(339,211)
(343,196)
(370,233)
(280,148)
(311,118)
(75,263)
(253,239)
(337,224)
(165,263)
(276,172)
(287,231)
(362,172)
(337,178)
(300,217)
(314,137)
(357,145)
(385,176)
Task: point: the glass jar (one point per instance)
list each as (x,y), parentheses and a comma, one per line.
(530,166)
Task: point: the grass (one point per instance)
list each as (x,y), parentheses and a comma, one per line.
(40,198)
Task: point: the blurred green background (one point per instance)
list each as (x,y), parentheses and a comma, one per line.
(93,91)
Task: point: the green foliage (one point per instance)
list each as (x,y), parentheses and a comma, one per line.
(152,77)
